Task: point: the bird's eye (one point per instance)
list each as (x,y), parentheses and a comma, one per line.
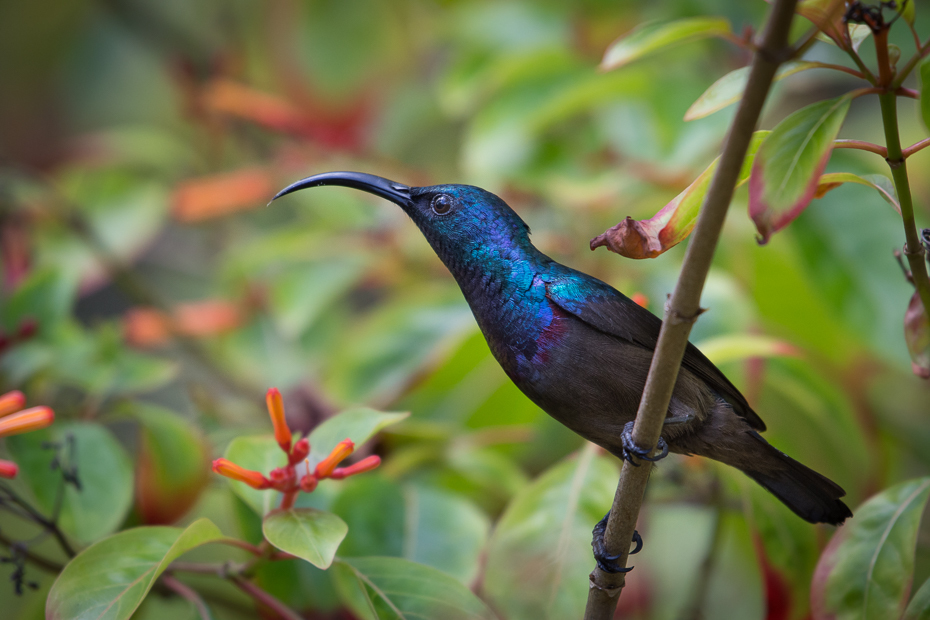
(442,204)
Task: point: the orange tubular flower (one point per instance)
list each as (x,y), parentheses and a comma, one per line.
(325,468)
(8,469)
(284,479)
(366,464)
(11,401)
(282,433)
(26,420)
(229,469)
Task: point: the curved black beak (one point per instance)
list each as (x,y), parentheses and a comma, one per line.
(395,192)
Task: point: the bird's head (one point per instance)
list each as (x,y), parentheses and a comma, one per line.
(461,222)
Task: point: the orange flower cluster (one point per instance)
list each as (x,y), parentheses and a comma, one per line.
(15,420)
(285,478)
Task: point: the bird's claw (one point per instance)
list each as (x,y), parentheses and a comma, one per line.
(605,561)
(630,449)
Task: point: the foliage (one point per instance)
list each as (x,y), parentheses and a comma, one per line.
(149,298)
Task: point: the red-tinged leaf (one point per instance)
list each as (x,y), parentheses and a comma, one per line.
(917,336)
(728,89)
(827,15)
(788,166)
(865,572)
(879,182)
(675,221)
(649,38)
(213,196)
(172,465)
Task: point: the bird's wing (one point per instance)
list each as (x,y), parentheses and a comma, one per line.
(607,310)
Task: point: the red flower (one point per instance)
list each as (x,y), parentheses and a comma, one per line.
(284,479)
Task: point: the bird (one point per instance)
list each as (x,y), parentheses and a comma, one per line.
(581,350)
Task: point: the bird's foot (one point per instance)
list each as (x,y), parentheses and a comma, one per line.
(630,449)
(605,561)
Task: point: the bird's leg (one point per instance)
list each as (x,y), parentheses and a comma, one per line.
(630,449)
(605,561)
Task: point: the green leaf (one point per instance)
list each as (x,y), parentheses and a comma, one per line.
(109,579)
(311,534)
(919,607)
(908,10)
(729,89)
(415,521)
(540,553)
(258,453)
(870,570)
(737,347)
(675,221)
(649,38)
(398,589)
(172,466)
(359,425)
(103,469)
(789,163)
(879,182)
(925,92)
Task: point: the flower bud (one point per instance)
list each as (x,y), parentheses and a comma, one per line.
(308,483)
(11,401)
(300,451)
(282,433)
(26,420)
(342,450)
(366,464)
(254,479)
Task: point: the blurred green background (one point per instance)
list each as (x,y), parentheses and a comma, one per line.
(140,142)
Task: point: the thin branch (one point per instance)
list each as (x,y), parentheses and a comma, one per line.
(859,63)
(235,542)
(40,519)
(49,565)
(266,599)
(844,69)
(684,307)
(861,145)
(917,146)
(186,592)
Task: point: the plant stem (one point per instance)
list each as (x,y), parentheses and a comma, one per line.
(50,566)
(684,307)
(37,517)
(266,599)
(186,592)
(917,146)
(861,145)
(913,249)
(234,542)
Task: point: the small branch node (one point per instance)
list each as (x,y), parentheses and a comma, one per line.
(677,318)
(612,592)
(894,163)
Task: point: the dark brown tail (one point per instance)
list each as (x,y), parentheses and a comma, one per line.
(811,496)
